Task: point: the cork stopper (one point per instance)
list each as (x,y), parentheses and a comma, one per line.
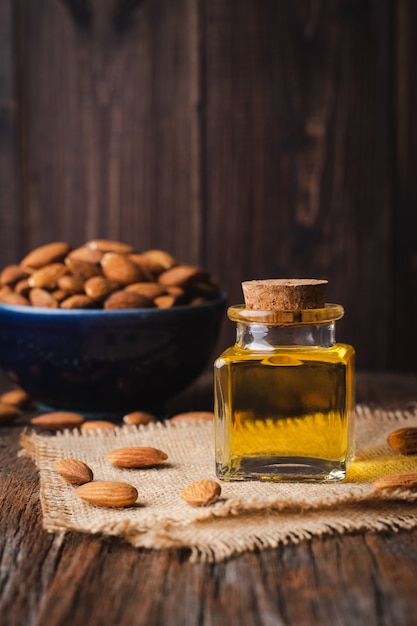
(284,294)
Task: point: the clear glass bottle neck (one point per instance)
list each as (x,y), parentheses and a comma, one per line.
(262,337)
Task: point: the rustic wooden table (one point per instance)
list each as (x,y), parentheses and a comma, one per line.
(352,579)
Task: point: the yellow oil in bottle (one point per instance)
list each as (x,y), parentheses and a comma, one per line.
(284,414)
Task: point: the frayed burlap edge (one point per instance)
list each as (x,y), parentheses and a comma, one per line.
(250,516)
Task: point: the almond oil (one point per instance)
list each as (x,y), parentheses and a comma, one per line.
(284,397)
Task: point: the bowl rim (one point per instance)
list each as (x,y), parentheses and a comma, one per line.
(102,313)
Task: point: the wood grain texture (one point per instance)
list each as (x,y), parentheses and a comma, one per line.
(112,125)
(9,138)
(297,138)
(258,139)
(359,579)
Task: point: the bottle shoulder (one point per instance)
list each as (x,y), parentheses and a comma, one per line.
(338,352)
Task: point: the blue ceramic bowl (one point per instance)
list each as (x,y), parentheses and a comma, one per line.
(107,362)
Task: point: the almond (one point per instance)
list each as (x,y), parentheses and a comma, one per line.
(182,275)
(108,245)
(22,287)
(165,302)
(16,397)
(71,284)
(192,416)
(150,290)
(84,253)
(404,440)
(139,417)
(12,274)
(8,413)
(120,268)
(41,297)
(47,276)
(127,300)
(155,261)
(57,420)
(44,255)
(74,471)
(108,493)
(201,492)
(136,457)
(98,425)
(99,287)
(78,301)
(13,298)
(82,269)
(397,481)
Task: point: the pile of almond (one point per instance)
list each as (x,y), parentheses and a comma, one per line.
(118,493)
(103,274)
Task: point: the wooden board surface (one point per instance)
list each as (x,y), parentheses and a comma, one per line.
(358,579)
(259,139)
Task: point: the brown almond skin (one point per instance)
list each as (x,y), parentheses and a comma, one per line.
(22,287)
(8,413)
(11,274)
(73,471)
(403,440)
(155,261)
(57,420)
(47,276)
(109,245)
(71,284)
(119,268)
(150,289)
(78,301)
(42,297)
(13,298)
(82,269)
(16,397)
(98,425)
(165,302)
(136,457)
(99,287)
(84,253)
(138,418)
(108,493)
(192,416)
(182,275)
(44,255)
(127,300)
(397,481)
(201,492)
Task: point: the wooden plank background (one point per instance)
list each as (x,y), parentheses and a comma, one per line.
(254,137)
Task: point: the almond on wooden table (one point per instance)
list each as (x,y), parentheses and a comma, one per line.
(16,397)
(74,471)
(201,492)
(108,493)
(403,440)
(8,413)
(136,457)
(57,420)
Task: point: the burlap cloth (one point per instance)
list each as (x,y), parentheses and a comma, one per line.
(250,515)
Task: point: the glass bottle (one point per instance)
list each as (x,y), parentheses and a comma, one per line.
(284,397)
